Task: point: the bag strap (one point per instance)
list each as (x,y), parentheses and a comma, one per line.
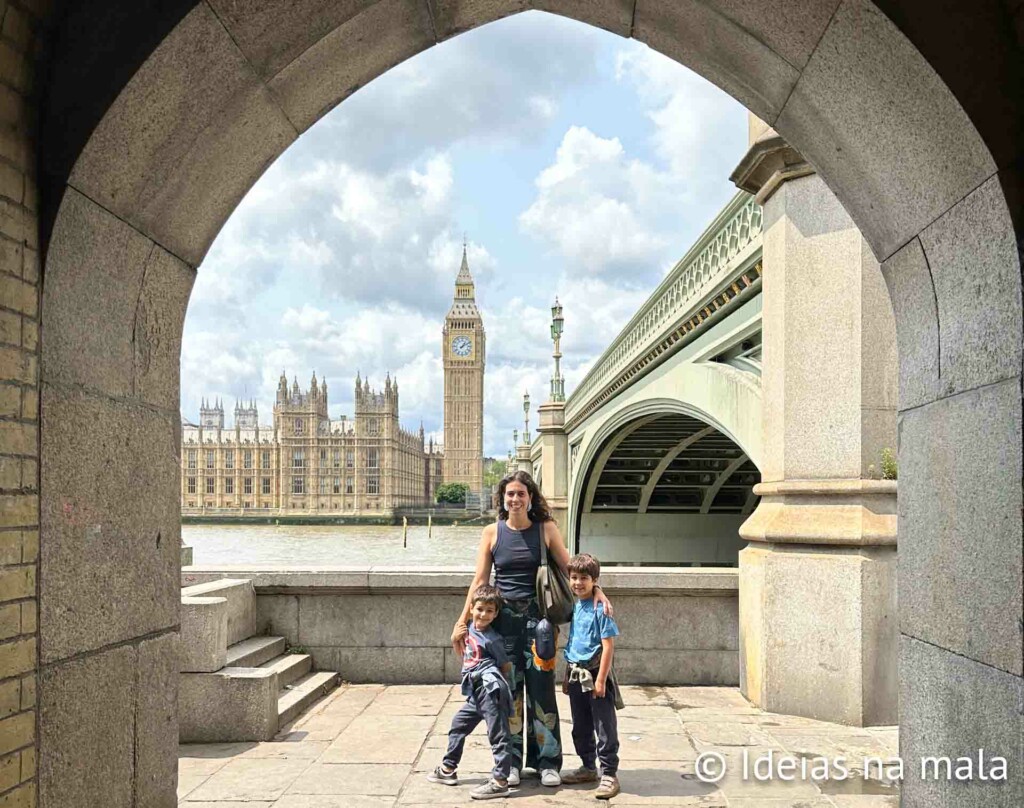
(543,546)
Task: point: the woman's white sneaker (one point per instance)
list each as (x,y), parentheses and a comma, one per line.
(513,777)
(550,778)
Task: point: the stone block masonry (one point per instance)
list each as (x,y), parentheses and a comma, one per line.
(679,625)
(22,31)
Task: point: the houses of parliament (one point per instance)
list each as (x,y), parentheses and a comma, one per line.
(305,462)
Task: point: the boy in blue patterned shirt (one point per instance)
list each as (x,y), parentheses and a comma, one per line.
(589,684)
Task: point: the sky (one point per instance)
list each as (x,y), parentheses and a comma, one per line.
(573,162)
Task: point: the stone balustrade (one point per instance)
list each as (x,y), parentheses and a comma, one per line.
(384,624)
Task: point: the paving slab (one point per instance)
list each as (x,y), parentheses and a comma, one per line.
(187,783)
(338,779)
(411,700)
(707,734)
(223,751)
(231,804)
(300,750)
(762,802)
(640,720)
(368,739)
(321,727)
(346,700)
(328,801)
(250,780)
(655,746)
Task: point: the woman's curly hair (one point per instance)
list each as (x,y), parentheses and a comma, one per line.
(539,510)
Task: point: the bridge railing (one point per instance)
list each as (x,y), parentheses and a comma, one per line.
(714,263)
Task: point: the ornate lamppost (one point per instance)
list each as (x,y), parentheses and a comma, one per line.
(557,381)
(526,418)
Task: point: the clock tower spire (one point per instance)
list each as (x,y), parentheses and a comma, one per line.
(463,347)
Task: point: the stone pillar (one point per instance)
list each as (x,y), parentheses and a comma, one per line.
(555,461)
(818,622)
(523,460)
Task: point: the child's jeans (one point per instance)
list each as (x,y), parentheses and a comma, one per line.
(481,706)
(592,715)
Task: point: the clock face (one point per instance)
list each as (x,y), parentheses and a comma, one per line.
(461,346)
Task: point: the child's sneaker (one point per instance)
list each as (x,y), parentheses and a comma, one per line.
(609,787)
(491,790)
(580,775)
(439,775)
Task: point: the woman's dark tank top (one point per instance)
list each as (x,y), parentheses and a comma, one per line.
(516,558)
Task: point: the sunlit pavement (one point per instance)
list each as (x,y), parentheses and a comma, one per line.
(371,746)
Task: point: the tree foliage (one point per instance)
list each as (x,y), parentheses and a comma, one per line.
(452,492)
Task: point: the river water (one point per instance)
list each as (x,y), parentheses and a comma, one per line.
(328,545)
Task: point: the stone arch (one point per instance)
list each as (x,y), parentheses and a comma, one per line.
(601,438)
(211,99)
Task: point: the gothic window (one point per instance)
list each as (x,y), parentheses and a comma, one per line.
(265,458)
(298,458)
(323,485)
(298,485)
(229,485)
(266,485)
(350,459)
(209,485)
(229,458)
(350,486)
(372,485)
(247,458)
(372,427)
(247,485)
(209,459)
(372,459)
(323,458)
(298,426)
(191,485)
(336,458)
(191,458)
(337,485)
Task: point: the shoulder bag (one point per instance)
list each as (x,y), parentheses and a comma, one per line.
(553,592)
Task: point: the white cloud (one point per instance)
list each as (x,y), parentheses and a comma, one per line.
(698,129)
(596,207)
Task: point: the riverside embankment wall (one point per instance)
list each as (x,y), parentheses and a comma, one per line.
(379,624)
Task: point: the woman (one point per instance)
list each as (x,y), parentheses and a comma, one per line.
(512,548)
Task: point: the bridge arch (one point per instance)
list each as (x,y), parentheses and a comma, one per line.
(141,167)
(692,406)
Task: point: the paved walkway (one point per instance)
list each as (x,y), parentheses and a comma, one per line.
(371,746)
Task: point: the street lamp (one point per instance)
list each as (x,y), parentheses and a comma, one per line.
(557,382)
(526,417)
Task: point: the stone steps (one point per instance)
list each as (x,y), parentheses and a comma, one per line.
(305,691)
(234,685)
(290,668)
(254,651)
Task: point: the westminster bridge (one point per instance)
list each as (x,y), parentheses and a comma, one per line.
(746,417)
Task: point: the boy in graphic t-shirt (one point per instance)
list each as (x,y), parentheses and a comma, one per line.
(591,689)
(485,671)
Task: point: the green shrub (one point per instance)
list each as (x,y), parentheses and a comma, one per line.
(889,469)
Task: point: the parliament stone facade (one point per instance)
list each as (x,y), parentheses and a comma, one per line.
(307,463)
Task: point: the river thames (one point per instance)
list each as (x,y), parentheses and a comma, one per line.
(325,545)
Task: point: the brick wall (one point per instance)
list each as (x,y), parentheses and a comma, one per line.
(20,37)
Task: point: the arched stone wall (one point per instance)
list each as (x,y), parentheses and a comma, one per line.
(231,85)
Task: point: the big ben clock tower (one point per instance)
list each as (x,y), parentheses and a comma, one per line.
(464,348)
